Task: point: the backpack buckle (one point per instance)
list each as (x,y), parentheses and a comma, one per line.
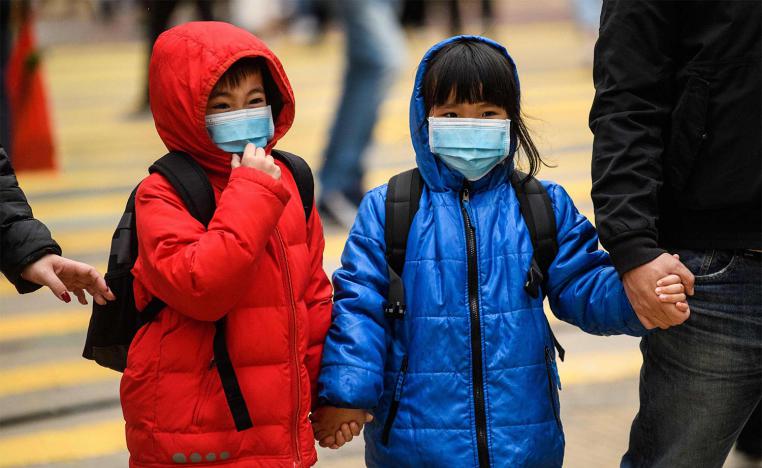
(534,280)
(395,311)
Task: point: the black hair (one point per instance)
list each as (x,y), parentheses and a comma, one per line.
(247,66)
(473,71)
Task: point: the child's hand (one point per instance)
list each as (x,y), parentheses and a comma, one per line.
(334,427)
(671,291)
(256,158)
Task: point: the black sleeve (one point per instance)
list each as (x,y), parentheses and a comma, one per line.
(633,75)
(23,239)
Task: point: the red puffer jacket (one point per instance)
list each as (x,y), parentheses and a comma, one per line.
(259,263)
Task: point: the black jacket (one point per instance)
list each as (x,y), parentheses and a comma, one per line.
(23,239)
(677,119)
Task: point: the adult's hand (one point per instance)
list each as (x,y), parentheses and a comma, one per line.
(639,284)
(61,275)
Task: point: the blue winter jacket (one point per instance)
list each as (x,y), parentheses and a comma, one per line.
(453,403)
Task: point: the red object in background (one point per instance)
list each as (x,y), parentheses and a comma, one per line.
(32,140)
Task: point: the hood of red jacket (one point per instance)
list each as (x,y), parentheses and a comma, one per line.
(186,62)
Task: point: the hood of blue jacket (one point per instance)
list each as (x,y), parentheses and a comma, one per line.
(435,173)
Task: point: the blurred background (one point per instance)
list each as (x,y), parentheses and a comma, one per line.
(81,137)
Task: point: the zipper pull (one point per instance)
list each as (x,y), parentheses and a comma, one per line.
(211,364)
(465,195)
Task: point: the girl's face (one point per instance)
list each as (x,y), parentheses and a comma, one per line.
(465,110)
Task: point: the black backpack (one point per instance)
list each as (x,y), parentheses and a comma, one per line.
(114,325)
(402,198)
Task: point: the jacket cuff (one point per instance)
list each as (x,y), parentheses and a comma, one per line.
(349,387)
(276,186)
(23,286)
(632,324)
(631,252)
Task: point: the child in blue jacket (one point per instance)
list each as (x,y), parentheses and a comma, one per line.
(468,377)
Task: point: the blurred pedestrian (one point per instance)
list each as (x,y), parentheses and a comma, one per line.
(375,50)
(677,164)
(158,14)
(30,258)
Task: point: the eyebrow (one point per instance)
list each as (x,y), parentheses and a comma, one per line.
(220,93)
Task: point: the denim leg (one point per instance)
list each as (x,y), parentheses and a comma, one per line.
(701,381)
(375,50)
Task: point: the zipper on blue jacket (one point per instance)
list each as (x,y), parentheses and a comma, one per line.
(480,411)
(394,407)
(552,379)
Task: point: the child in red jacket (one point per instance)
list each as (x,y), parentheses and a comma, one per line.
(216,93)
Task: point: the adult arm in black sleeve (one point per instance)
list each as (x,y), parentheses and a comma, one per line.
(23,239)
(634,94)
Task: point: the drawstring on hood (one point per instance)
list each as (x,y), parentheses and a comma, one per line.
(186,63)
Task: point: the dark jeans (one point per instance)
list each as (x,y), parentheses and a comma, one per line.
(701,381)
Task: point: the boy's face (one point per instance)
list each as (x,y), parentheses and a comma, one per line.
(249,94)
(465,110)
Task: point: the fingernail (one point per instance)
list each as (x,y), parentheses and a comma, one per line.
(658,290)
(662,296)
(65,297)
(659,283)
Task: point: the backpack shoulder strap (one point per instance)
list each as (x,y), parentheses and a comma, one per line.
(303,177)
(191,183)
(537,211)
(402,197)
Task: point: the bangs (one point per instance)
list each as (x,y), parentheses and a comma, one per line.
(470,71)
(239,71)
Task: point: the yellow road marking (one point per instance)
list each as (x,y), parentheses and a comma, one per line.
(89,440)
(59,322)
(600,367)
(103,438)
(57,374)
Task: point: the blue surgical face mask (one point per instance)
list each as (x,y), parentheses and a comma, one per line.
(232,131)
(470,146)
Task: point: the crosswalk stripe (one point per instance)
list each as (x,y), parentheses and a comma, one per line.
(57,322)
(63,445)
(48,375)
(107,437)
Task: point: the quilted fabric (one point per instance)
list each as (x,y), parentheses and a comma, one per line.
(259,263)
(435,423)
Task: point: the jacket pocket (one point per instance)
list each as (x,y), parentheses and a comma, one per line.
(394,407)
(554,384)
(205,390)
(689,130)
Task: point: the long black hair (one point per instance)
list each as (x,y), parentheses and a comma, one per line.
(473,71)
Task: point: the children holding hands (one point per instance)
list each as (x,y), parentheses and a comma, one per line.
(467,377)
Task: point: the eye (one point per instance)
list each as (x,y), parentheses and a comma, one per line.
(256,101)
(488,114)
(221,106)
(451,115)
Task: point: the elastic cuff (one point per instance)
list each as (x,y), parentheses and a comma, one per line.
(276,186)
(632,252)
(23,286)
(632,324)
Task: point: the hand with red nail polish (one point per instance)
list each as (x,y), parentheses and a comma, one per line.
(61,275)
